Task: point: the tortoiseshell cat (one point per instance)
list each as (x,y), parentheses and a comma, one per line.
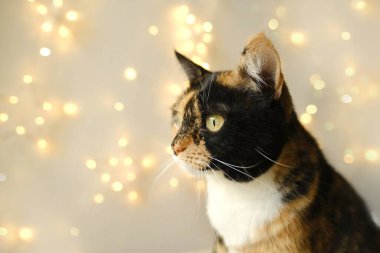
(269,187)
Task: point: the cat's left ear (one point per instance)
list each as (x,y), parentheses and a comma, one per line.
(261,62)
(193,71)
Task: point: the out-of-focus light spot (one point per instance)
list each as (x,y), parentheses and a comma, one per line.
(47,27)
(329,126)
(131,176)
(47,106)
(98,198)
(281,11)
(206,38)
(26,234)
(3,231)
(20,130)
(173,182)
(4,117)
(13,100)
(314,77)
(70,109)
(58,3)
(185,33)
(41,9)
(117,186)
(39,121)
(346,99)
(118,106)
(45,52)
(297,38)
(175,89)
(205,65)
(132,196)
(345,35)
(130,73)
(201,48)
(319,85)
(74,231)
(27,79)
(91,164)
(72,15)
(273,24)
(305,118)
(147,162)
(128,161)
(181,12)
(113,161)
(153,30)
(190,19)
(207,27)
(371,155)
(187,46)
(3,177)
(42,144)
(348,157)
(169,150)
(359,4)
(123,142)
(63,31)
(106,177)
(311,109)
(349,71)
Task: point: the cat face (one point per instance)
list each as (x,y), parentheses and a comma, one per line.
(233,121)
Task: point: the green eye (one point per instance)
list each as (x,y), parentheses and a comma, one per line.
(214,122)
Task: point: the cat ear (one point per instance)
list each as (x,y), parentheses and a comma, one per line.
(193,71)
(261,62)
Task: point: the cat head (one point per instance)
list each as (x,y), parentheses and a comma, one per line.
(234,121)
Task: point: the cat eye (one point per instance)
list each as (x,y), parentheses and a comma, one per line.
(214,122)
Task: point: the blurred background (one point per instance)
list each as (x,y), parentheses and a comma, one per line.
(85,92)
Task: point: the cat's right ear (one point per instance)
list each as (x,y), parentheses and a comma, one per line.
(193,71)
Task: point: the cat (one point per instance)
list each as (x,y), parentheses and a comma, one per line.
(269,187)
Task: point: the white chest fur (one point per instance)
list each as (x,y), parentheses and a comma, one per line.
(238,210)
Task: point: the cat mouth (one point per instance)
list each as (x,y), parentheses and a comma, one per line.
(192,167)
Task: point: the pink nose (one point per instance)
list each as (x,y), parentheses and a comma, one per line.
(181,145)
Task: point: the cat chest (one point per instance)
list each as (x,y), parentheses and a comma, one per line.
(238,211)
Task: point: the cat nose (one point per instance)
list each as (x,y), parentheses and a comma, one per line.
(181,145)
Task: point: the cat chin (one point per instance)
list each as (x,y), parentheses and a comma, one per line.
(193,172)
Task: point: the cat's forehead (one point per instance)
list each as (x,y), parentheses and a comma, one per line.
(236,79)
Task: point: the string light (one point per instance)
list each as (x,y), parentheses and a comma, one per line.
(201,48)
(63,31)
(105,177)
(47,106)
(99,198)
(4,117)
(175,89)
(147,162)
(118,106)
(131,176)
(123,142)
(113,161)
(305,118)
(173,182)
(45,52)
(39,121)
(74,231)
(348,156)
(132,196)
(206,38)
(190,19)
(47,27)
(41,9)
(26,234)
(273,24)
(42,144)
(311,109)
(91,164)
(349,71)
(20,130)
(58,3)
(345,36)
(153,30)
(3,231)
(13,100)
(359,4)
(70,109)
(117,186)
(72,15)
(371,155)
(297,38)
(130,73)
(346,98)
(128,161)
(27,79)
(207,27)
(319,85)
